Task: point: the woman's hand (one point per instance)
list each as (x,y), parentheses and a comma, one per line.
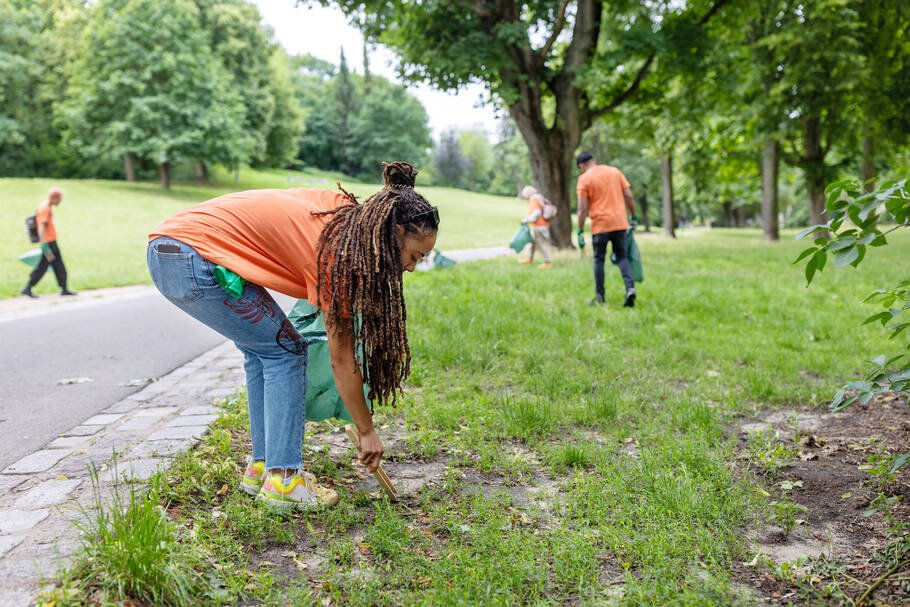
(371,449)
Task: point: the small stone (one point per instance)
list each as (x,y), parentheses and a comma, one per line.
(17,598)
(82,431)
(155,411)
(8,542)
(192,420)
(160,448)
(38,461)
(140,423)
(178,433)
(103,419)
(124,406)
(16,521)
(201,410)
(8,482)
(69,442)
(47,493)
(139,470)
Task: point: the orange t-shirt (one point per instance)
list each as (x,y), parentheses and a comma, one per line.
(267,237)
(44,214)
(536,202)
(603,185)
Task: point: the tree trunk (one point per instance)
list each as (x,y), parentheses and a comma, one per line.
(129,166)
(643,201)
(666,179)
(740,217)
(202,172)
(814,167)
(769,189)
(551,164)
(728,214)
(164,175)
(869,162)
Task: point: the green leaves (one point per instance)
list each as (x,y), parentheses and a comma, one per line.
(848,255)
(816,264)
(846,201)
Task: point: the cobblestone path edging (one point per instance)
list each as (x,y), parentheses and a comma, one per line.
(38,493)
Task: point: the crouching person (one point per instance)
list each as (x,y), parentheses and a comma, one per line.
(215,260)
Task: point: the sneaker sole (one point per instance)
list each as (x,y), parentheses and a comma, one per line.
(250,489)
(285,506)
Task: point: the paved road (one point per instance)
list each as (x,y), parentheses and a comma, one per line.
(111,339)
(111,342)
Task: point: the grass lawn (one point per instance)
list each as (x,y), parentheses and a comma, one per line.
(103,225)
(582,455)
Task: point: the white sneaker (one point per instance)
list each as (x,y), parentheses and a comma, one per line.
(298,491)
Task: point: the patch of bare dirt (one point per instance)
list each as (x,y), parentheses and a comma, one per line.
(839,537)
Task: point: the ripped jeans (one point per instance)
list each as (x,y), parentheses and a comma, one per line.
(274,353)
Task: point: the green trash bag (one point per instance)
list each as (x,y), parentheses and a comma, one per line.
(31,258)
(521,239)
(322,398)
(634,256)
(441,261)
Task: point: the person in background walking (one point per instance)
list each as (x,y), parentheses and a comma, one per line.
(540,227)
(604,194)
(47,236)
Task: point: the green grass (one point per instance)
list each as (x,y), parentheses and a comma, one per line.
(630,417)
(130,548)
(103,225)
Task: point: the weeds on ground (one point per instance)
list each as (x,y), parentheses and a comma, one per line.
(783,511)
(768,452)
(131,550)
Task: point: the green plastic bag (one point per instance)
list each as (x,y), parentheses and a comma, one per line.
(441,261)
(634,256)
(521,239)
(322,398)
(31,258)
(230,282)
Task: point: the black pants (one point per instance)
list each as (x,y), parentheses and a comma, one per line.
(618,238)
(41,268)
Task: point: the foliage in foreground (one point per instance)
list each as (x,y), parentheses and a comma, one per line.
(847,244)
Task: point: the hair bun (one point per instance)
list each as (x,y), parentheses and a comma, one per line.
(399,174)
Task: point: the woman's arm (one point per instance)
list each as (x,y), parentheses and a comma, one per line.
(349,382)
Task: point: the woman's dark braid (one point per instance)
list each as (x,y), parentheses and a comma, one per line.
(360,275)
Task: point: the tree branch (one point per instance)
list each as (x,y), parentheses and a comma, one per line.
(557,29)
(716,7)
(793,158)
(643,71)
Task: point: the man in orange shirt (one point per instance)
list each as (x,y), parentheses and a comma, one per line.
(604,194)
(540,227)
(344,257)
(47,236)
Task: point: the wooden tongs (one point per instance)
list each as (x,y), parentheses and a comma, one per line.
(380,474)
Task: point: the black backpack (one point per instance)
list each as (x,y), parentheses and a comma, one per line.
(31,228)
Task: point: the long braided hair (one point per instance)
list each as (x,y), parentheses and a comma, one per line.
(360,275)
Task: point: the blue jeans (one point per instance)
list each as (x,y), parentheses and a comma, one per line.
(599,241)
(274,353)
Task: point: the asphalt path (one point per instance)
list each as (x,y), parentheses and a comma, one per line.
(111,340)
